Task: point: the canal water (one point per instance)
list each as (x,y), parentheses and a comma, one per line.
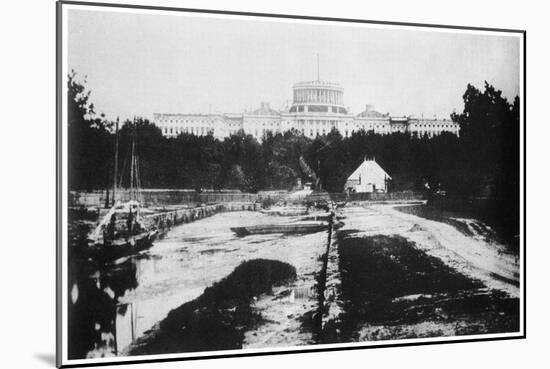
(112,305)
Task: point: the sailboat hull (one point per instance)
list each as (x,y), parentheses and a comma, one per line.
(121,247)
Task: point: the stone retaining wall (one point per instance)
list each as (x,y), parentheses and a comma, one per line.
(165,220)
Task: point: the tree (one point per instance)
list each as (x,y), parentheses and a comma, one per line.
(89,142)
(489,150)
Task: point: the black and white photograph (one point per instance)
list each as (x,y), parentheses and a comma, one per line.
(238,184)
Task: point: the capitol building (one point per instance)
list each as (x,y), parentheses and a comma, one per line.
(317,107)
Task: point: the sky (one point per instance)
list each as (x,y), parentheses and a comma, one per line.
(140,64)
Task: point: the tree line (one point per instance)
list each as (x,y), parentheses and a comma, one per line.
(483,161)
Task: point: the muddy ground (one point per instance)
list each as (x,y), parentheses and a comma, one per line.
(404,276)
(114,305)
(394,290)
(219,318)
(384,274)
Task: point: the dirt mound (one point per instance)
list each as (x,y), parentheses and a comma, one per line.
(217,319)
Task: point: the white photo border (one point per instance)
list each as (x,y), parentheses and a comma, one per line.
(62,184)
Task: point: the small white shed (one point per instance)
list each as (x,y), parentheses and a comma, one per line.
(368,177)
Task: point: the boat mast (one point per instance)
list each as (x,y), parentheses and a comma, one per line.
(132,161)
(116,163)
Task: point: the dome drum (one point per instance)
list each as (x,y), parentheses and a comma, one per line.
(318,97)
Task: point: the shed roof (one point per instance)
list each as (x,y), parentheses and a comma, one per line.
(369,171)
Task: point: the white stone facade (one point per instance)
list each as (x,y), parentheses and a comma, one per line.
(317,108)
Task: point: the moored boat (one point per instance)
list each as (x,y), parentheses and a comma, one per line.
(319,216)
(285,228)
(285,211)
(122,230)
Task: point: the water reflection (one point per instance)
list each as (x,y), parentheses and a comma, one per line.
(94,308)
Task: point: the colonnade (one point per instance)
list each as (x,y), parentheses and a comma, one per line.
(318,96)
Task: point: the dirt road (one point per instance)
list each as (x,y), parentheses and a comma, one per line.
(478,257)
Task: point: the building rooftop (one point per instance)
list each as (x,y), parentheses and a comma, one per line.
(428,120)
(369,112)
(367,170)
(264,109)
